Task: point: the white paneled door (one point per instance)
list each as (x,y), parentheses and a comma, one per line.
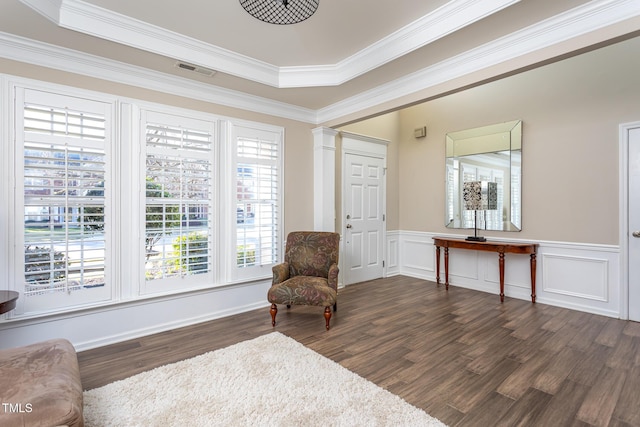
(634,223)
(364,219)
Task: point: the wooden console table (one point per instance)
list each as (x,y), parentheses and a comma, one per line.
(500,247)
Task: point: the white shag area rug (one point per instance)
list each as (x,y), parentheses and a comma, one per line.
(271,380)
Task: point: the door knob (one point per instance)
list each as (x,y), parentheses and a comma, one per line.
(349,226)
(636,234)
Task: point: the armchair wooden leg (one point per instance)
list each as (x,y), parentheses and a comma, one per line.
(327,315)
(273,311)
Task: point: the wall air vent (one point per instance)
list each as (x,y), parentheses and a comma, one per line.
(196,69)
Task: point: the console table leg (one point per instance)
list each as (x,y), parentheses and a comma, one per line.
(446,268)
(501,276)
(438,265)
(533,278)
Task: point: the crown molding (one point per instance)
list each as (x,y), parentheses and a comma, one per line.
(87,18)
(447,19)
(46,55)
(90,19)
(576,22)
(573,23)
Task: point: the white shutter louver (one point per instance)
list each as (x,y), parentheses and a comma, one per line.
(178,196)
(64,200)
(257,201)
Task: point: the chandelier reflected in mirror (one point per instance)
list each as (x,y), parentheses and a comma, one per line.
(281,12)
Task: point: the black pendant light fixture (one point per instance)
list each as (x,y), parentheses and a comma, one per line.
(281,12)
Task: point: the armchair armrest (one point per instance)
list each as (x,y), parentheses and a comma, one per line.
(280,273)
(332,277)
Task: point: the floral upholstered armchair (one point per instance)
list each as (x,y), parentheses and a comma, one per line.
(309,273)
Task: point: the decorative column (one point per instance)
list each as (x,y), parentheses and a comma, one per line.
(324,179)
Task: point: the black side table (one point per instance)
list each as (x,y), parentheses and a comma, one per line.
(8,301)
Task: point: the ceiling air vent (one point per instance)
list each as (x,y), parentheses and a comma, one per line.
(196,69)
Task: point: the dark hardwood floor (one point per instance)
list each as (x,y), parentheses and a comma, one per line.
(460,355)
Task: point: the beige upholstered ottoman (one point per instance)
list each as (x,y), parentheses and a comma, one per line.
(40,385)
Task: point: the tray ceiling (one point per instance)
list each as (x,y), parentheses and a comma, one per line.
(343,51)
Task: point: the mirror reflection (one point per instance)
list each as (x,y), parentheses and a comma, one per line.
(490,153)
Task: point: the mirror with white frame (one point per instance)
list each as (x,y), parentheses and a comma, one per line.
(490,153)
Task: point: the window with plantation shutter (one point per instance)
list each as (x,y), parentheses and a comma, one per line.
(178,212)
(64,166)
(258,226)
(104,211)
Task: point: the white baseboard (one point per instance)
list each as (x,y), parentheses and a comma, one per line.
(120,322)
(169,325)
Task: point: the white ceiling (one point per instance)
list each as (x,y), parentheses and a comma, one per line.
(346,50)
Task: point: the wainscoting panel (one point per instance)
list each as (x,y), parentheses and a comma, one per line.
(417,257)
(393,256)
(583,277)
(586,278)
(572,275)
(517,274)
(464,264)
